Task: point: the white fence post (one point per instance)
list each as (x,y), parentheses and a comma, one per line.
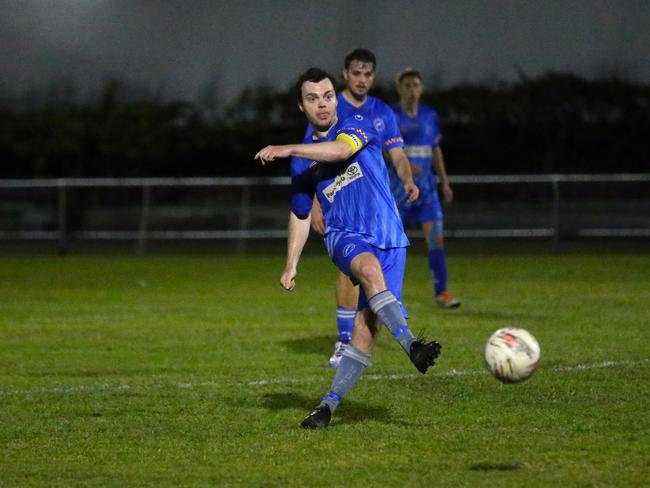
(144,218)
(62,214)
(555,182)
(244,217)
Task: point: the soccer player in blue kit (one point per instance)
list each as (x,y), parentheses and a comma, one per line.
(341,163)
(419,126)
(359,73)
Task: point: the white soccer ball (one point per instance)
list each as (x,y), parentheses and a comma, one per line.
(512,354)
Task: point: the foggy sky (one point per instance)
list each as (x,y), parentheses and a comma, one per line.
(185,49)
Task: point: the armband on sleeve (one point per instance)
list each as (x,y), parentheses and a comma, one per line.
(353,140)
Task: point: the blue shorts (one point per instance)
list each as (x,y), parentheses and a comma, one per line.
(413,215)
(343,248)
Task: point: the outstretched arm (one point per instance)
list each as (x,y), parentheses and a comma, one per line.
(324,152)
(298,234)
(403,168)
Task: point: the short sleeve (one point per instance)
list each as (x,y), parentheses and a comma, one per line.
(392,135)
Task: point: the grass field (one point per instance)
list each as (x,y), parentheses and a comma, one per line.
(196,371)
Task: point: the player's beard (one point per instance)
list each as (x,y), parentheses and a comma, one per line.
(359,97)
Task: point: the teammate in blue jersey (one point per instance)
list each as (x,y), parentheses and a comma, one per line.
(419,127)
(359,74)
(341,164)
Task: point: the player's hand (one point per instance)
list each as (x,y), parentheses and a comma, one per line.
(412,191)
(270,153)
(288,279)
(447,193)
(317,220)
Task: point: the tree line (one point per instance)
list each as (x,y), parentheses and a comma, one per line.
(555,123)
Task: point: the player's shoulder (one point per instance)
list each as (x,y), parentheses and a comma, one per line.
(378,104)
(397,110)
(309,135)
(359,124)
(427,110)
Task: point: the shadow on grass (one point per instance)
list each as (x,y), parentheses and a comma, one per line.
(287,400)
(313,345)
(350,412)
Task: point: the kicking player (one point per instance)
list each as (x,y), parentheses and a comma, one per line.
(419,127)
(359,73)
(341,163)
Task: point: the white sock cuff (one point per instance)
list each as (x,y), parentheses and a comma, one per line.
(380,300)
(353,353)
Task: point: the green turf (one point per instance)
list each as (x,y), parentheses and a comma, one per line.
(196,371)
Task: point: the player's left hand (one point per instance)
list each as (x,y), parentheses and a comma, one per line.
(412,191)
(270,153)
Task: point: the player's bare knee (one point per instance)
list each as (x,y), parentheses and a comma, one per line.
(370,273)
(366,267)
(435,239)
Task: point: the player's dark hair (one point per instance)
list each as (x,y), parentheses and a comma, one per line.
(408,73)
(314,75)
(363,55)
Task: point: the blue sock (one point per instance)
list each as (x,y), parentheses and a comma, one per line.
(387,308)
(345,323)
(438,267)
(352,365)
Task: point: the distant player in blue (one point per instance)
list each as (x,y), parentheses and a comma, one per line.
(341,164)
(359,73)
(419,127)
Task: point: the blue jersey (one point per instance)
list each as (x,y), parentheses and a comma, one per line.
(381,115)
(421,136)
(355,194)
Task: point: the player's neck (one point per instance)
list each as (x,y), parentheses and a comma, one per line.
(410,109)
(353,99)
(320,132)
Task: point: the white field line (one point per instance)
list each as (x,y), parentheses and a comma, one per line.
(308,379)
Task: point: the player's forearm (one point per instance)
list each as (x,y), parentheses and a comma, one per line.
(298,234)
(439,166)
(324,152)
(401,164)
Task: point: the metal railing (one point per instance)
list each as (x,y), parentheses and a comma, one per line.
(245,229)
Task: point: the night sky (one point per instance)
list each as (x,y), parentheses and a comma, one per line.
(185,49)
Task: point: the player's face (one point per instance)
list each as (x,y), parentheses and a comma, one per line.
(319,103)
(359,77)
(410,89)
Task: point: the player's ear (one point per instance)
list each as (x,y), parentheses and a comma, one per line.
(301,107)
(344,74)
